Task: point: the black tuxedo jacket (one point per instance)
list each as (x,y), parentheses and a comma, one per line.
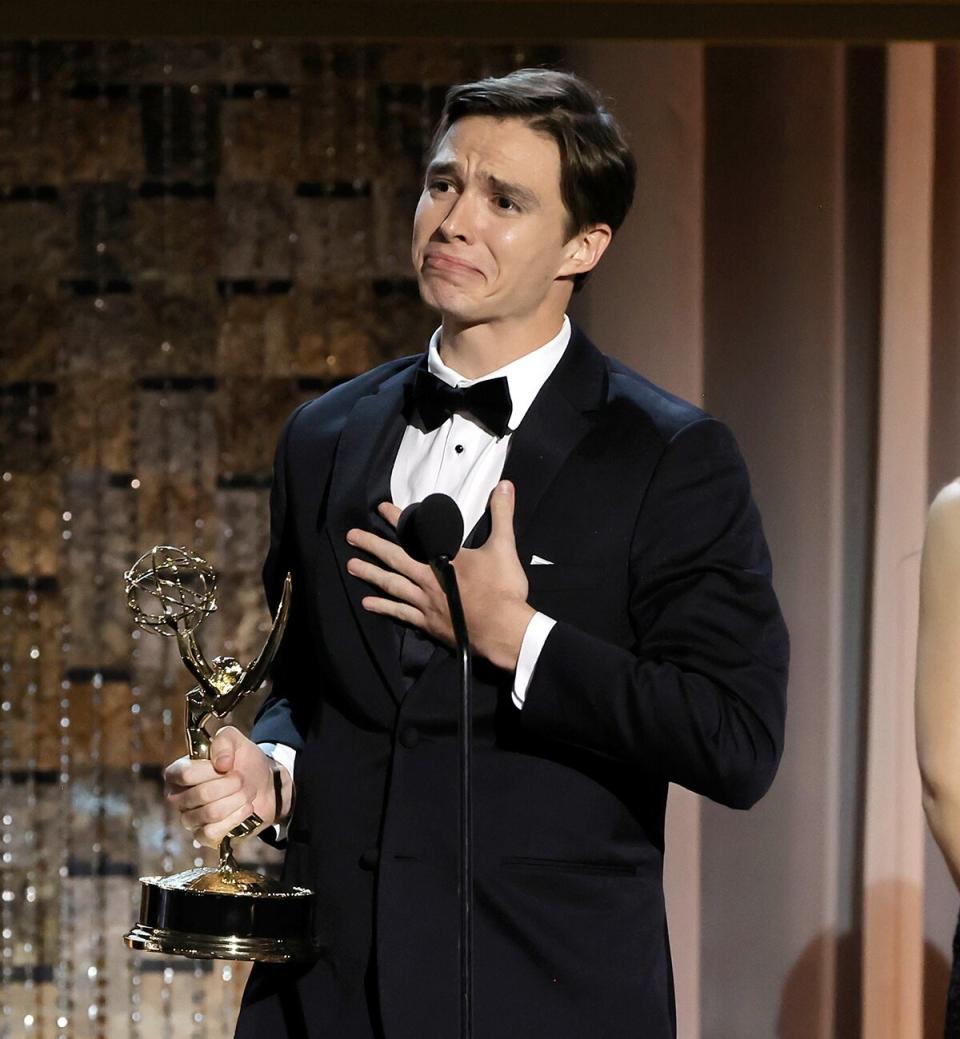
(668,664)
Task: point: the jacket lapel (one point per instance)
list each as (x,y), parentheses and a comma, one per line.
(360,481)
(562,413)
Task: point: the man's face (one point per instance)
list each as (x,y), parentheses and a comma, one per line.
(489,235)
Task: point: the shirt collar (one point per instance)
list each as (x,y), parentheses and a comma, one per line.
(525,376)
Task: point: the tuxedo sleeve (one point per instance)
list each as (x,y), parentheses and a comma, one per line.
(699,698)
(283,718)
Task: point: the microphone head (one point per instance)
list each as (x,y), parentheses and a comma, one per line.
(431,528)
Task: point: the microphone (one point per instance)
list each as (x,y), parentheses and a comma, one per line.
(431,531)
(431,528)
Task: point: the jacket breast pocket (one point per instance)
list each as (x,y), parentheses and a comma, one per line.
(580,867)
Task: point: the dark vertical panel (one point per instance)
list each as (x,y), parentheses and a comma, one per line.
(863,244)
(945,360)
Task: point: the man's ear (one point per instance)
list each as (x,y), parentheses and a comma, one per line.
(585,249)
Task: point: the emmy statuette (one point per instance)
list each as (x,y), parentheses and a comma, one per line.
(220,912)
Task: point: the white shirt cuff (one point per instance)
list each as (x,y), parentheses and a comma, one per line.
(285,756)
(534,637)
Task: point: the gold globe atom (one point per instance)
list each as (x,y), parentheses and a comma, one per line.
(170,590)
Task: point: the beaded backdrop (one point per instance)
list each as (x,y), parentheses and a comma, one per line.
(194,237)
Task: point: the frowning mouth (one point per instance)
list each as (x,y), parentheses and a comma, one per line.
(445,262)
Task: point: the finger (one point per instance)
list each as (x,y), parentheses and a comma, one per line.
(501,514)
(215,813)
(387,581)
(400,611)
(212,833)
(390,512)
(185,772)
(173,772)
(389,553)
(224,747)
(185,798)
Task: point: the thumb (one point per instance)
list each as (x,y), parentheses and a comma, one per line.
(501,515)
(223,748)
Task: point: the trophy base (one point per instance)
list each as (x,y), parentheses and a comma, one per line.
(225,915)
(216,947)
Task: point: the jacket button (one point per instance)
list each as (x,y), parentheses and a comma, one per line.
(409,737)
(370,858)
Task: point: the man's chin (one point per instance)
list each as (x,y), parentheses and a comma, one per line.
(451,306)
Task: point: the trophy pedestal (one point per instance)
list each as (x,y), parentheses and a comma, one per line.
(224,914)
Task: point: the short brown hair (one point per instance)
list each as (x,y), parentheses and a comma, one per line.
(597,170)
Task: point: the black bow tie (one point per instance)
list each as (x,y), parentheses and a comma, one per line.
(431,401)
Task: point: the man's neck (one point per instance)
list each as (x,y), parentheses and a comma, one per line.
(476,350)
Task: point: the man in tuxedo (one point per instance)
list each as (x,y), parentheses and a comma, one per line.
(616,586)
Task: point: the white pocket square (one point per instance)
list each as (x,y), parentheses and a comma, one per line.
(540,561)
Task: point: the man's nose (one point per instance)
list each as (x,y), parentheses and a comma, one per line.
(460,219)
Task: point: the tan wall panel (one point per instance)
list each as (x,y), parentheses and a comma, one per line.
(893,854)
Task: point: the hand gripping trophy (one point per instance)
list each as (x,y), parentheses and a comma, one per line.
(221,912)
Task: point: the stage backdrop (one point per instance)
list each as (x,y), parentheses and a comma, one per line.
(196,236)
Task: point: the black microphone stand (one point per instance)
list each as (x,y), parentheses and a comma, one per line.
(447,577)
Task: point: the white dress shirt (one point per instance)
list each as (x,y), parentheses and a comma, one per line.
(461,459)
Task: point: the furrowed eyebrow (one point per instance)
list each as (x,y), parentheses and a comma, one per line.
(441,169)
(515,191)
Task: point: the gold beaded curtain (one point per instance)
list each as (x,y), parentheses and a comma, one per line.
(194,237)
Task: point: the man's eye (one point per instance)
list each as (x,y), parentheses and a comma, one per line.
(505,203)
(441,186)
